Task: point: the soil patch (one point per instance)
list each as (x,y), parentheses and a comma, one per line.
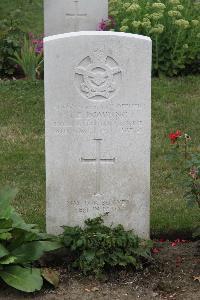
(174,274)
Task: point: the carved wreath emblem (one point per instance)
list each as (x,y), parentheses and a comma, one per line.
(98,76)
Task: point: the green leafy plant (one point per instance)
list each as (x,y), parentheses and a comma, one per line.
(20,245)
(180,151)
(97,246)
(196,233)
(181,144)
(10,36)
(193,183)
(29,59)
(173,25)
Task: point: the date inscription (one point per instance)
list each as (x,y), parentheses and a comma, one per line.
(83,120)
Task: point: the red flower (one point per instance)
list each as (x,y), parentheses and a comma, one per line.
(155,250)
(178,241)
(174,136)
(173,244)
(162,240)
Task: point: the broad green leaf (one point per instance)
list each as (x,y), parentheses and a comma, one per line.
(35,235)
(51,276)
(19,223)
(32,251)
(17,241)
(5,225)
(22,237)
(5,236)
(3,251)
(24,279)
(5,230)
(7,260)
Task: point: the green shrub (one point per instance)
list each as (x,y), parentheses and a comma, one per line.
(10,36)
(173,25)
(196,233)
(192,185)
(187,157)
(192,194)
(97,246)
(183,150)
(20,245)
(29,59)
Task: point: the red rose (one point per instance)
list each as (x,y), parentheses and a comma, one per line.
(174,136)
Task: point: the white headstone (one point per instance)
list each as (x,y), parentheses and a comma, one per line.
(63,16)
(98,129)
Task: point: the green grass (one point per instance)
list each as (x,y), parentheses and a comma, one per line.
(30,14)
(22,146)
(176,105)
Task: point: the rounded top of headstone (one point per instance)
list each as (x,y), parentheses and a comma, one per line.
(96,33)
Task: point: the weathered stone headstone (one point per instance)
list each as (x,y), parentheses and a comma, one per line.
(98,129)
(63,16)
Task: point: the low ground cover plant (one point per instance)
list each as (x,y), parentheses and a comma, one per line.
(21,244)
(97,246)
(173,25)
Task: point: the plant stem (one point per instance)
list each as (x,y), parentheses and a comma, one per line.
(157,53)
(176,44)
(185,148)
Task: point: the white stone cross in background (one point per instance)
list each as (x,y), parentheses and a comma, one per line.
(76,15)
(63,16)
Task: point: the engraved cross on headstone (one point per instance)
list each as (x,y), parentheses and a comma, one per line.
(98,160)
(76,15)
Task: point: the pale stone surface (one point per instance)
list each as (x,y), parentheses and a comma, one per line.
(98,129)
(63,16)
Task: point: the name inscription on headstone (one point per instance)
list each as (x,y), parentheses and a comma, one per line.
(82,119)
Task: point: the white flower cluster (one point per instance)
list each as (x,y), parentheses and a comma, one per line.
(151,17)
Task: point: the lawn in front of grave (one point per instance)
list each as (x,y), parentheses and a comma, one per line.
(175,105)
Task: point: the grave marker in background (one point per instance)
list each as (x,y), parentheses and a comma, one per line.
(98,129)
(63,16)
